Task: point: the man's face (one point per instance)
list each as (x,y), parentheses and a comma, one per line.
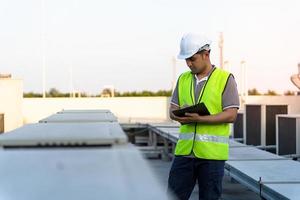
(197,63)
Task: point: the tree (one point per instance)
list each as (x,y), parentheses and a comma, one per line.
(53,92)
(32,95)
(289,93)
(144,93)
(271,93)
(253,91)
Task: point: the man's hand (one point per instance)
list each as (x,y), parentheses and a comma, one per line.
(187,119)
(227,116)
(183,120)
(192,117)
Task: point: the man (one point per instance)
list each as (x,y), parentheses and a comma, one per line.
(202,147)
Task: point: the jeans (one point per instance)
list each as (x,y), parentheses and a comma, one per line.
(186,171)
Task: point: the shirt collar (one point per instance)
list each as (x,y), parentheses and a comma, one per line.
(204,78)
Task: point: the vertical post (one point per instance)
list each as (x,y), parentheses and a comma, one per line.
(43,38)
(112,91)
(221,44)
(150,139)
(165,154)
(244,87)
(71,83)
(226,65)
(154,140)
(173,148)
(1,123)
(173,84)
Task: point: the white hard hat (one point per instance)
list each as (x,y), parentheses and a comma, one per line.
(191,44)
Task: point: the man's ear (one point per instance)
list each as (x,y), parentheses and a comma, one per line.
(205,55)
(208,54)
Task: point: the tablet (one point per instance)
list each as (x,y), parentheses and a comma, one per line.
(199,108)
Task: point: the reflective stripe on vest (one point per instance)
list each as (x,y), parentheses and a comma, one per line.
(204,138)
(186,136)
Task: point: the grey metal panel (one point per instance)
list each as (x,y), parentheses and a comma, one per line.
(118,173)
(65,133)
(166,125)
(269,170)
(286,136)
(282,191)
(169,131)
(251,153)
(234,144)
(80,118)
(271,111)
(84,111)
(172,133)
(255,173)
(1,123)
(127,126)
(253,124)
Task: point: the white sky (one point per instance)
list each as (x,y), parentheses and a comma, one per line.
(130,44)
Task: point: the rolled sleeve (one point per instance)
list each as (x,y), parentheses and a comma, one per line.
(175,98)
(230,96)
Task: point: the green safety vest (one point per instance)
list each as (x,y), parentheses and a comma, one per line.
(207,141)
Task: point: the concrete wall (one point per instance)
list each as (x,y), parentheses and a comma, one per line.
(11,96)
(127,109)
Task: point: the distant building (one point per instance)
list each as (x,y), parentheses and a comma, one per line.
(11,99)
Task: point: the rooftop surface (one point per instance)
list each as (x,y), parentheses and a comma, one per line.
(232,190)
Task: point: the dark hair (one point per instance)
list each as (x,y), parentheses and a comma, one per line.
(202,51)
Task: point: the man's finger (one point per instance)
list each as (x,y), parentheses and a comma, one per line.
(190,114)
(182,118)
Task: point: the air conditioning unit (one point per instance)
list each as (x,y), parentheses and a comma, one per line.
(113,173)
(260,123)
(80,117)
(238,126)
(288,134)
(64,135)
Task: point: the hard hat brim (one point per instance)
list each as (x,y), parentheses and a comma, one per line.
(183,57)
